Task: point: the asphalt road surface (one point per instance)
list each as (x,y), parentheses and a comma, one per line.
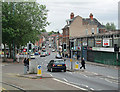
(93,78)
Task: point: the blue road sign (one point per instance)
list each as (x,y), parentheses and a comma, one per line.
(39,66)
(77,62)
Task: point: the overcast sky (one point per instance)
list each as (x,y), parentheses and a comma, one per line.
(59,11)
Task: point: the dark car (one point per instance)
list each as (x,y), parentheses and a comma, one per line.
(56,64)
(36,53)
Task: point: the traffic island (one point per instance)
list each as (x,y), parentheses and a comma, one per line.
(34,76)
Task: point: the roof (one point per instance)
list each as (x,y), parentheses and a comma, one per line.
(68,25)
(93,22)
(87,21)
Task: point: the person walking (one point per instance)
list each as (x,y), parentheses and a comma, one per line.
(27,64)
(82,63)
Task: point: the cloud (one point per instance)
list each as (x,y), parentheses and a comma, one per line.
(59,11)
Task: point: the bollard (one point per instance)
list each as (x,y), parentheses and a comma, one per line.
(77,65)
(39,71)
(25,69)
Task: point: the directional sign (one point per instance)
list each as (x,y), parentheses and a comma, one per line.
(77,65)
(77,62)
(39,67)
(39,70)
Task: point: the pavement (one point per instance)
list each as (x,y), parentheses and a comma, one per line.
(96,64)
(34,76)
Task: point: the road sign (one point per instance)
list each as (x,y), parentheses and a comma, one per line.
(24,50)
(39,70)
(76,65)
(70,60)
(39,67)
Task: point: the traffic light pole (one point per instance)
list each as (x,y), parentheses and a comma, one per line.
(71,61)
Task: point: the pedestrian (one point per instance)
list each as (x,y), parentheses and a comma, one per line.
(27,64)
(82,63)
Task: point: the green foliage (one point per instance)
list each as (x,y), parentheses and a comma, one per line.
(22,22)
(110,26)
(52,32)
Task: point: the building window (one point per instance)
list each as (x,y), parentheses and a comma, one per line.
(97,30)
(86,31)
(92,30)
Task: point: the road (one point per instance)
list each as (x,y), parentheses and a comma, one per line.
(93,78)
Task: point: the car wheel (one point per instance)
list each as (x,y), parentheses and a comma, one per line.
(51,70)
(65,70)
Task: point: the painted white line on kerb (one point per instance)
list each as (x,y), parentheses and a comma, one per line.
(65,80)
(69,84)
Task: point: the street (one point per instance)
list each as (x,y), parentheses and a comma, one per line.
(92,78)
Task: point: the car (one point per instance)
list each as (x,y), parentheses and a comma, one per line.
(50,45)
(58,56)
(32,56)
(42,54)
(36,53)
(56,64)
(47,54)
(53,50)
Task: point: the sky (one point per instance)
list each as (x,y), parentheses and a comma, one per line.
(59,11)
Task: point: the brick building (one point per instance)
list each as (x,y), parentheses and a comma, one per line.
(78,26)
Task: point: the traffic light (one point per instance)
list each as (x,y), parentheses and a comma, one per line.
(72,45)
(116,48)
(64,46)
(30,46)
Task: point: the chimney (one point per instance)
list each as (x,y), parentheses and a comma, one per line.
(71,15)
(91,16)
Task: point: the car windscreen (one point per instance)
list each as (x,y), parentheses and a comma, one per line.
(59,61)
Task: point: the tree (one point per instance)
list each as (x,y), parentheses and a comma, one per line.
(52,32)
(22,22)
(110,26)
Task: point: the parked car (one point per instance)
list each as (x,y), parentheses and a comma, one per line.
(32,56)
(56,64)
(42,54)
(36,53)
(58,56)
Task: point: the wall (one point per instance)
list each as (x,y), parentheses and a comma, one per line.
(77,28)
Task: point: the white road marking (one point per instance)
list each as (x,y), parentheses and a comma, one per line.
(51,75)
(69,72)
(91,88)
(85,85)
(112,77)
(108,81)
(65,80)
(85,75)
(69,84)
